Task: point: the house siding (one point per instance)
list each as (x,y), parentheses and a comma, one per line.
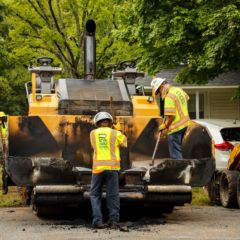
(218,103)
(221,105)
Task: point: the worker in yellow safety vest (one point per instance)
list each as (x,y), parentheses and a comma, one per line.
(3,134)
(3,149)
(175,114)
(3,124)
(106,143)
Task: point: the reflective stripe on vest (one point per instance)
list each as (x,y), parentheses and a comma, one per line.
(105,165)
(180,111)
(101,163)
(106,150)
(169,111)
(94,145)
(112,145)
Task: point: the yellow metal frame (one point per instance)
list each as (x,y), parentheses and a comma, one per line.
(42,104)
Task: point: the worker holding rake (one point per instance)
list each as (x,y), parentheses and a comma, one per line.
(175,114)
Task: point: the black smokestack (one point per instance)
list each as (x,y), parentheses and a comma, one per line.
(90,51)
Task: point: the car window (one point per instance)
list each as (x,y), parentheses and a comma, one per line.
(230,134)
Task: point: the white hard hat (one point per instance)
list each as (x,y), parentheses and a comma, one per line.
(156,83)
(101,116)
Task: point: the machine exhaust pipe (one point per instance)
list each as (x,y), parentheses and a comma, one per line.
(90,51)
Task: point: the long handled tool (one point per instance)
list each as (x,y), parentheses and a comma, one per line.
(156,147)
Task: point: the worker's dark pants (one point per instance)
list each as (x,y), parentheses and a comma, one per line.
(111,180)
(175,144)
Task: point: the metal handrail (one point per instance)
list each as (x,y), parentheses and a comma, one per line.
(27,85)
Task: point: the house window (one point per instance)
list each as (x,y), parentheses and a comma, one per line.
(196,105)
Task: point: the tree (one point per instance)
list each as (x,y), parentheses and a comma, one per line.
(12,98)
(56,28)
(203,35)
(3,37)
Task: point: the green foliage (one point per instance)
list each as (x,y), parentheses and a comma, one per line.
(12,99)
(202,34)
(56,28)
(3,37)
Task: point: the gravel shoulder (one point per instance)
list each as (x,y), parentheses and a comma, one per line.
(190,222)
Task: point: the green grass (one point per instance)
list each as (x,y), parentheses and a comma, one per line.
(13,198)
(200,197)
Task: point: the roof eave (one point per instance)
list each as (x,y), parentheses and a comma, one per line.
(209,87)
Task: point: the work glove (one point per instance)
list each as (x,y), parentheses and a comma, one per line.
(117,126)
(162,127)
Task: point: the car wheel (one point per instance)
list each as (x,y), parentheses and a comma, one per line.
(228,189)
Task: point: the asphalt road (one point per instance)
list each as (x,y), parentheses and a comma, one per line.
(184,223)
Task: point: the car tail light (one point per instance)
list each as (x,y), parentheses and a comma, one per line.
(224,146)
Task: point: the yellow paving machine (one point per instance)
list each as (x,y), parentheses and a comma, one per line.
(49,150)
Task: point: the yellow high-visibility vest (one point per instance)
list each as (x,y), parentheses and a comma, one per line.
(105,142)
(4,130)
(175,104)
(3,127)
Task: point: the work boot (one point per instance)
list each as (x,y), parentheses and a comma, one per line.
(99,225)
(113,224)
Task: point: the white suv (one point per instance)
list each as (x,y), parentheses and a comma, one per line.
(224,187)
(225,135)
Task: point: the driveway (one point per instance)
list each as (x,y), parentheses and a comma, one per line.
(190,222)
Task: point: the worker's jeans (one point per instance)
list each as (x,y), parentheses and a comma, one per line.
(111,180)
(175,144)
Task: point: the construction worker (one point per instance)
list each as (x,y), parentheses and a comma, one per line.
(105,142)
(3,146)
(175,114)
